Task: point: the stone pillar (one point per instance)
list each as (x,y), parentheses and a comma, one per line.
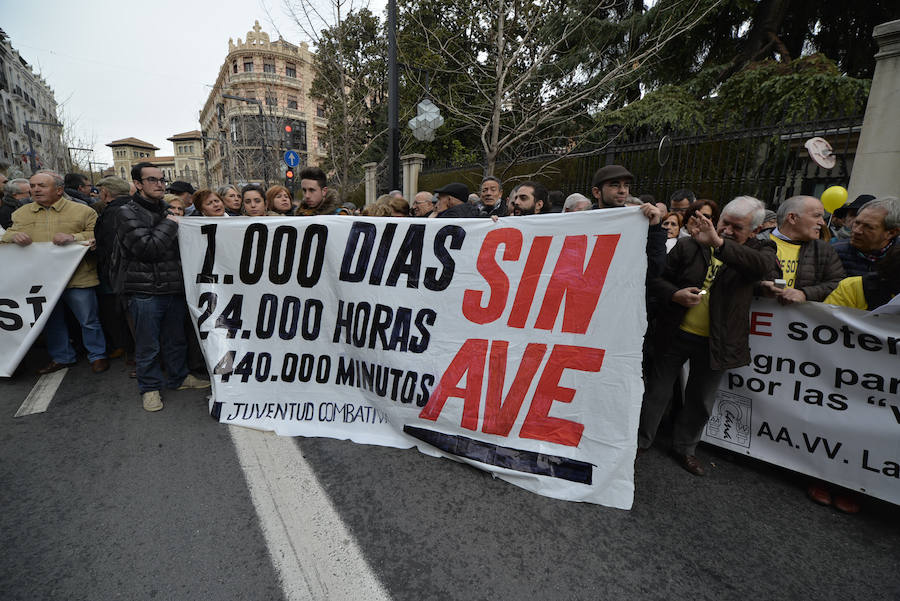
(876,168)
(371,181)
(412,166)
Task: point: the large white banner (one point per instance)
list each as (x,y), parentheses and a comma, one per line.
(821,396)
(513,346)
(33,279)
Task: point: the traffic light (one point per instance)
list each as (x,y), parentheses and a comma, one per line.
(289,179)
(287,136)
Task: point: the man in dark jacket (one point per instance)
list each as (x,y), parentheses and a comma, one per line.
(809,266)
(114,194)
(150,276)
(874,232)
(704,298)
(78,188)
(453,201)
(491,198)
(16,193)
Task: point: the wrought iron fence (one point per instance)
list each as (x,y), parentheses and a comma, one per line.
(768,162)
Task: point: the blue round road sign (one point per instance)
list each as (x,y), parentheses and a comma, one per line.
(291,158)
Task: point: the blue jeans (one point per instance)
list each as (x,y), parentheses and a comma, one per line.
(83,303)
(159,326)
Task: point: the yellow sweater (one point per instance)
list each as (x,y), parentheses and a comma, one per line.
(64,216)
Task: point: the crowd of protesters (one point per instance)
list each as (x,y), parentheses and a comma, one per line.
(705,262)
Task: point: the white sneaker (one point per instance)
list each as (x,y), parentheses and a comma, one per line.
(192,381)
(152,402)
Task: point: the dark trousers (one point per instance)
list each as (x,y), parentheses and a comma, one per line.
(699,394)
(115,322)
(159,334)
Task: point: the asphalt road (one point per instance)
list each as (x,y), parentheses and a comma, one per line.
(101,500)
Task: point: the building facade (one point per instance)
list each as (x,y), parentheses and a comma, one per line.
(130,151)
(245,140)
(190,165)
(25,96)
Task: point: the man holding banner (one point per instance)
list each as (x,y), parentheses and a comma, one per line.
(151,279)
(54,218)
(704,296)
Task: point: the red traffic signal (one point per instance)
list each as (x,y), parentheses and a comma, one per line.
(289,174)
(288,129)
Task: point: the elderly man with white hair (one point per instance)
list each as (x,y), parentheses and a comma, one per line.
(576,202)
(704,297)
(52,217)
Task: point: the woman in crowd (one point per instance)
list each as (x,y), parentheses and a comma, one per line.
(672,225)
(379,208)
(231,198)
(279,201)
(208,203)
(176,205)
(398,206)
(253,200)
(707,208)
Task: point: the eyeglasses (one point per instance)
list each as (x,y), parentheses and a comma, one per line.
(155,180)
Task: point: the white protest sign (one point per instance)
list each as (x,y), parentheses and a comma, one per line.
(821,396)
(34,277)
(513,346)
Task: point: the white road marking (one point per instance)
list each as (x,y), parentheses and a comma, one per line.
(315,556)
(40,396)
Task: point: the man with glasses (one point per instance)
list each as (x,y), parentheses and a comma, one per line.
(423,204)
(149,274)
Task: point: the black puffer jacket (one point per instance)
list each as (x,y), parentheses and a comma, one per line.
(105,234)
(150,262)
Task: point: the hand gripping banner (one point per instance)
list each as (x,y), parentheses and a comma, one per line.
(821,396)
(34,277)
(514,346)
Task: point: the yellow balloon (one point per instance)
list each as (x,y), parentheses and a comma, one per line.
(834,197)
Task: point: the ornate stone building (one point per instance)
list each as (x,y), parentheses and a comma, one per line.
(187,164)
(25,96)
(245,141)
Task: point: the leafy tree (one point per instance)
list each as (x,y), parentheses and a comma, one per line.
(522,75)
(350,84)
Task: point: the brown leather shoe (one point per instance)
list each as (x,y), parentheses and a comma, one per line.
(691,464)
(848,503)
(52,367)
(119,352)
(819,494)
(99,365)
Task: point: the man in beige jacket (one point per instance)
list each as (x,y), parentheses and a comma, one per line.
(54,218)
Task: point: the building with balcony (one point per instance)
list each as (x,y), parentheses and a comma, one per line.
(130,151)
(25,96)
(246,139)
(190,165)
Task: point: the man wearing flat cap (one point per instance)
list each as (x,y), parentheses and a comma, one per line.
(611,185)
(185,191)
(453,201)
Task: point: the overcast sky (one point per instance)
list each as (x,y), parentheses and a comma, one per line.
(141,69)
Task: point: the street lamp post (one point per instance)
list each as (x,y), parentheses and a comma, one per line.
(69,150)
(91,171)
(393,100)
(30,145)
(262,124)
